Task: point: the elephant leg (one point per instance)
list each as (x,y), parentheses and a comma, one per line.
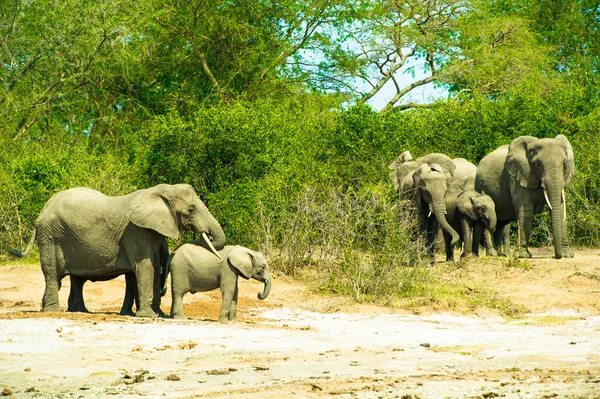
(488,241)
(50,301)
(448,245)
(157,288)
(144,274)
(177,305)
(131,295)
(76,302)
(466,227)
(228,291)
(525,220)
(567,251)
(233,307)
(431,235)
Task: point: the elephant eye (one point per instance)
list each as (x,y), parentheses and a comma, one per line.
(191,209)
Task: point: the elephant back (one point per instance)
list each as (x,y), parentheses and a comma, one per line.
(465,173)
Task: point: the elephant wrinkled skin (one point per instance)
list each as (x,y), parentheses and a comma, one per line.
(195,269)
(84,233)
(523,177)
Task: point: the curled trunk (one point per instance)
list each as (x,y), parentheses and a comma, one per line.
(439,211)
(267,288)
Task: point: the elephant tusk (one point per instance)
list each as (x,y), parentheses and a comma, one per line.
(211,246)
(564,205)
(429,215)
(547,199)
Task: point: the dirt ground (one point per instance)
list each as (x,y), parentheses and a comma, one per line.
(300,344)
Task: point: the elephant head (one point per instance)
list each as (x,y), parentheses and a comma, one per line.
(251,264)
(478,206)
(430,184)
(404,166)
(547,163)
(169,209)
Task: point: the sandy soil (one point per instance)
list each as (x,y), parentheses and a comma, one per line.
(299,344)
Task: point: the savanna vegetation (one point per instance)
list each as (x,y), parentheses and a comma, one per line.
(266,108)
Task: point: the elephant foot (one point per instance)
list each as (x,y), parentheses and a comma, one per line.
(567,252)
(147,313)
(78,309)
(491,252)
(53,308)
(159,312)
(224,319)
(126,312)
(466,255)
(524,254)
(179,317)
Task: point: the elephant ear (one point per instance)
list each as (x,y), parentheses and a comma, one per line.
(241,258)
(466,205)
(569,163)
(151,209)
(394,177)
(518,162)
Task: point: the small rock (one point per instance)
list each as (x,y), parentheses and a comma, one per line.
(260,368)
(32,389)
(489,395)
(425,345)
(232,369)
(139,378)
(27,369)
(218,372)
(173,377)
(59,330)
(7,392)
(572,343)
(316,388)
(397,350)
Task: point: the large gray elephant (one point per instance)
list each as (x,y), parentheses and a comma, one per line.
(195,269)
(469,213)
(521,178)
(84,233)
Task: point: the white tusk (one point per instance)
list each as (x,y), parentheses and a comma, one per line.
(564,205)
(429,213)
(547,200)
(445,212)
(211,246)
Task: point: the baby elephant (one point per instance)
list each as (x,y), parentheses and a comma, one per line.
(196,269)
(469,213)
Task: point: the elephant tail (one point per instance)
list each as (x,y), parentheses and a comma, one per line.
(17,252)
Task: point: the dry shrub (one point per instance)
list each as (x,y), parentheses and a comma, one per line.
(361,243)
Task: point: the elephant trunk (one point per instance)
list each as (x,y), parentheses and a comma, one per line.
(208,226)
(491,222)
(267,288)
(439,210)
(555,197)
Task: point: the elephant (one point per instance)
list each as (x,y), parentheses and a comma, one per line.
(77,304)
(195,269)
(84,233)
(469,212)
(521,178)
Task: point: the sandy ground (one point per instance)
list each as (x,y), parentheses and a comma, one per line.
(299,344)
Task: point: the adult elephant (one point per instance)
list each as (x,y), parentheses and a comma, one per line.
(84,233)
(521,178)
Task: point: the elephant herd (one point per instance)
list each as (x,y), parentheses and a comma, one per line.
(471,203)
(87,235)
